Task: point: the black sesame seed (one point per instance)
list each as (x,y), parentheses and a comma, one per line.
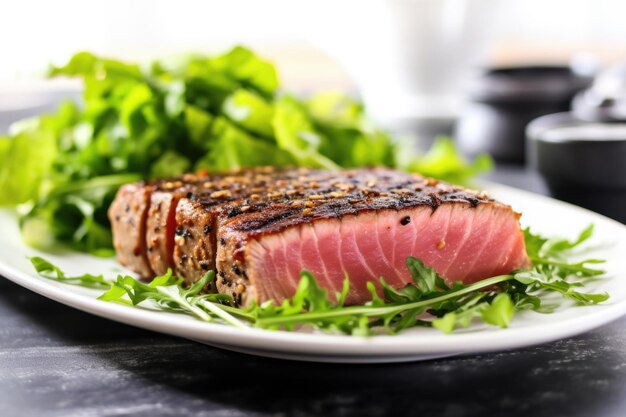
(183,258)
(223,241)
(204,265)
(222,274)
(236,211)
(236,269)
(405,220)
(207,229)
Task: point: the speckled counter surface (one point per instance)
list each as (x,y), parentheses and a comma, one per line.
(56,361)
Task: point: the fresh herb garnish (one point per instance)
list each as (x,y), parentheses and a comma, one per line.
(493,300)
(216,113)
(50,271)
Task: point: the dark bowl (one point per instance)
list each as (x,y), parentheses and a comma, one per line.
(504,100)
(581,162)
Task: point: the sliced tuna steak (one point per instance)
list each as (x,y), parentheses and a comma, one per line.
(260,228)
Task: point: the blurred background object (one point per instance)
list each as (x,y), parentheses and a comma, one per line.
(422,67)
(504,100)
(410,60)
(605,101)
(582,154)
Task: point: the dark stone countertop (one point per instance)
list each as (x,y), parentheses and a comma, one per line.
(56,361)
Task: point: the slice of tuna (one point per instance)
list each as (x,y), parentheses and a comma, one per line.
(366,232)
(160,229)
(128,214)
(194,240)
(355,249)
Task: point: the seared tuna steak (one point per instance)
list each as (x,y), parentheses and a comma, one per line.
(259,228)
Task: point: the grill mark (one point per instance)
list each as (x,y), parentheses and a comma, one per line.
(267,222)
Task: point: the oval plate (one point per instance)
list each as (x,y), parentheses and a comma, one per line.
(545,215)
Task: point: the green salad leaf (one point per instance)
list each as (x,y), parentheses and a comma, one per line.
(427,301)
(160,120)
(26,157)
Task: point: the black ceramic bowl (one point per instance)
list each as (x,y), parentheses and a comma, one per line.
(581,162)
(504,100)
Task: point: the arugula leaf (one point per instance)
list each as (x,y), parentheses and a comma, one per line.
(426,279)
(493,300)
(555,246)
(48,270)
(500,311)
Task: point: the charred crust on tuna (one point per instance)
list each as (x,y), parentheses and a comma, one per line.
(235,211)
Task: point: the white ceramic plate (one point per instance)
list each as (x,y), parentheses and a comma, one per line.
(545,215)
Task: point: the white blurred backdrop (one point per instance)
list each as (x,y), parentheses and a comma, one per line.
(407,58)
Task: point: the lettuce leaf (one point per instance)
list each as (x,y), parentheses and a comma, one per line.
(159,120)
(26,158)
